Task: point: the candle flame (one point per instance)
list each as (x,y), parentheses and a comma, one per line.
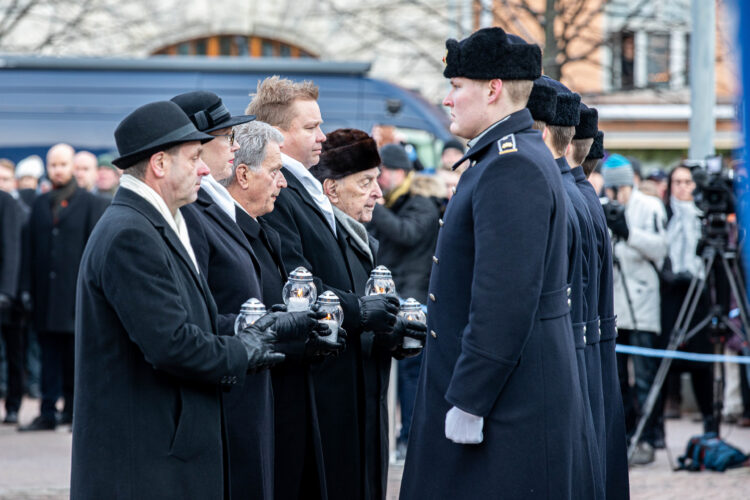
(380,289)
(329,316)
(300,292)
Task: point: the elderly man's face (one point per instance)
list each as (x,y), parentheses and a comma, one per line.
(303,139)
(218,154)
(356,194)
(60,165)
(7,181)
(266,183)
(84,167)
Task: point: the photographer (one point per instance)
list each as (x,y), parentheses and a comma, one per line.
(640,245)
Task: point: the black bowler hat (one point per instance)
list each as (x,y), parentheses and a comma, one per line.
(589,123)
(346,151)
(207,112)
(597,147)
(153,127)
(542,103)
(490,53)
(568,108)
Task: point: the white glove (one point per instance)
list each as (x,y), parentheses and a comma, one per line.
(462,427)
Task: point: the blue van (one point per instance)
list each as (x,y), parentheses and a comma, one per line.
(46,100)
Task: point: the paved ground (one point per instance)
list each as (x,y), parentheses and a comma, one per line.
(37,466)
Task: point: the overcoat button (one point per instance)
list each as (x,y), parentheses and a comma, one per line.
(569,302)
(432,297)
(584,329)
(568,291)
(434,259)
(434,335)
(584,339)
(440,222)
(453,189)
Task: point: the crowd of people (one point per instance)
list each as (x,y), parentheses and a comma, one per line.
(129,272)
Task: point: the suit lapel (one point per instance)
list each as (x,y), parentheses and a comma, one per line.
(296,185)
(215,212)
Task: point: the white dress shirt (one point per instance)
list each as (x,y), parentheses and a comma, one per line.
(312,186)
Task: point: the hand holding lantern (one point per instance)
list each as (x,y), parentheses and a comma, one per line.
(328,303)
(411,310)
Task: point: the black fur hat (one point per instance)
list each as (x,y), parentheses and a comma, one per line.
(542,103)
(567,112)
(488,54)
(589,123)
(597,148)
(346,151)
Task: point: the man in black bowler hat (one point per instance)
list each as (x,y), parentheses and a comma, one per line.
(499,406)
(150,367)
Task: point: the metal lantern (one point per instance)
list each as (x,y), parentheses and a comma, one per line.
(299,292)
(250,312)
(329,303)
(381,281)
(411,310)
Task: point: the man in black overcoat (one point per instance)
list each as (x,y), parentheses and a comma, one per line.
(588,151)
(59,227)
(304,218)
(499,405)
(10,262)
(150,366)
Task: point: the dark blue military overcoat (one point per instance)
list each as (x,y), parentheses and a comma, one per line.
(499,339)
(616,464)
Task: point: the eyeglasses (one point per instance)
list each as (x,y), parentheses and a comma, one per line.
(230,137)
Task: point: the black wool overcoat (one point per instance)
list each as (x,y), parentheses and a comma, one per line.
(232,271)
(150,368)
(499,341)
(56,247)
(10,244)
(298,453)
(616,462)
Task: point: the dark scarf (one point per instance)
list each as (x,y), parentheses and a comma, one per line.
(60,195)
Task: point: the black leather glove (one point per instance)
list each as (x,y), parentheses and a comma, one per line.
(317,346)
(377,313)
(299,335)
(26,302)
(260,352)
(395,340)
(615,215)
(5,301)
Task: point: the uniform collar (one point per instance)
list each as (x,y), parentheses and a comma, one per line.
(578,173)
(514,122)
(563,164)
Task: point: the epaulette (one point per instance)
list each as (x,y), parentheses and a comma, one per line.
(507,144)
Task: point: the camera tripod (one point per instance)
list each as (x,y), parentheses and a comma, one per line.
(716,250)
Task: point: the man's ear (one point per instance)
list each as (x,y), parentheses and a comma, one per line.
(494,88)
(241,175)
(567,149)
(158,164)
(545,133)
(330,187)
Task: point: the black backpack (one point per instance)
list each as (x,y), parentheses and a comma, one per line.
(709,452)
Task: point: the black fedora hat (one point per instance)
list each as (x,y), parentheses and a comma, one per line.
(151,128)
(206,110)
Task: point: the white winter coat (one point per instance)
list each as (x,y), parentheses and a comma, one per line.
(646,245)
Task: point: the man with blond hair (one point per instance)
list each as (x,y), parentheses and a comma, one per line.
(304,218)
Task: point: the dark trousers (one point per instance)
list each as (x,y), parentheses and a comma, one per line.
(634,398)
(408,374)
(57,371)
(13,337)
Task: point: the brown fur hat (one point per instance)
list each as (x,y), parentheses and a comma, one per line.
(346,151)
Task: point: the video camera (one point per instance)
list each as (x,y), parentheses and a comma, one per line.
(714,186)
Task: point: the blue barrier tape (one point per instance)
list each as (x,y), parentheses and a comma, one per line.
(689,356)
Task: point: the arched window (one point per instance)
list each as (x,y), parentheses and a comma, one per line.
(234,45)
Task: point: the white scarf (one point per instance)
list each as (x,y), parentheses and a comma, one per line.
(683,233)
(356,230)
(176,222)
(220,195)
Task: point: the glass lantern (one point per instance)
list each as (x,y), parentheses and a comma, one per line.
(411,310)
(250,312)
(329,304)
(299,292)
(381,281)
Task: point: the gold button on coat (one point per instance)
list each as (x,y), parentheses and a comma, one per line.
(434,335)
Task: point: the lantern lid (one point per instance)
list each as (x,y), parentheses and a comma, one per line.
(381,272)
(252,306)
(328,298)
(411,304)
(301,274)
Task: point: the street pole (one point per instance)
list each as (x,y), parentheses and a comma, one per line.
(702,79)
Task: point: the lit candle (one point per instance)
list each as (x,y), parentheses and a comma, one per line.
(334,326)
(297,304)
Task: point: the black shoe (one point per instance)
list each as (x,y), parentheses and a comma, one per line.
(39,424)
(11,417)
(64,418)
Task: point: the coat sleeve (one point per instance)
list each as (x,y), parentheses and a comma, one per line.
(155,318)
(10,245)
(511,203)
(651,242)
(282,219)
(410,225)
